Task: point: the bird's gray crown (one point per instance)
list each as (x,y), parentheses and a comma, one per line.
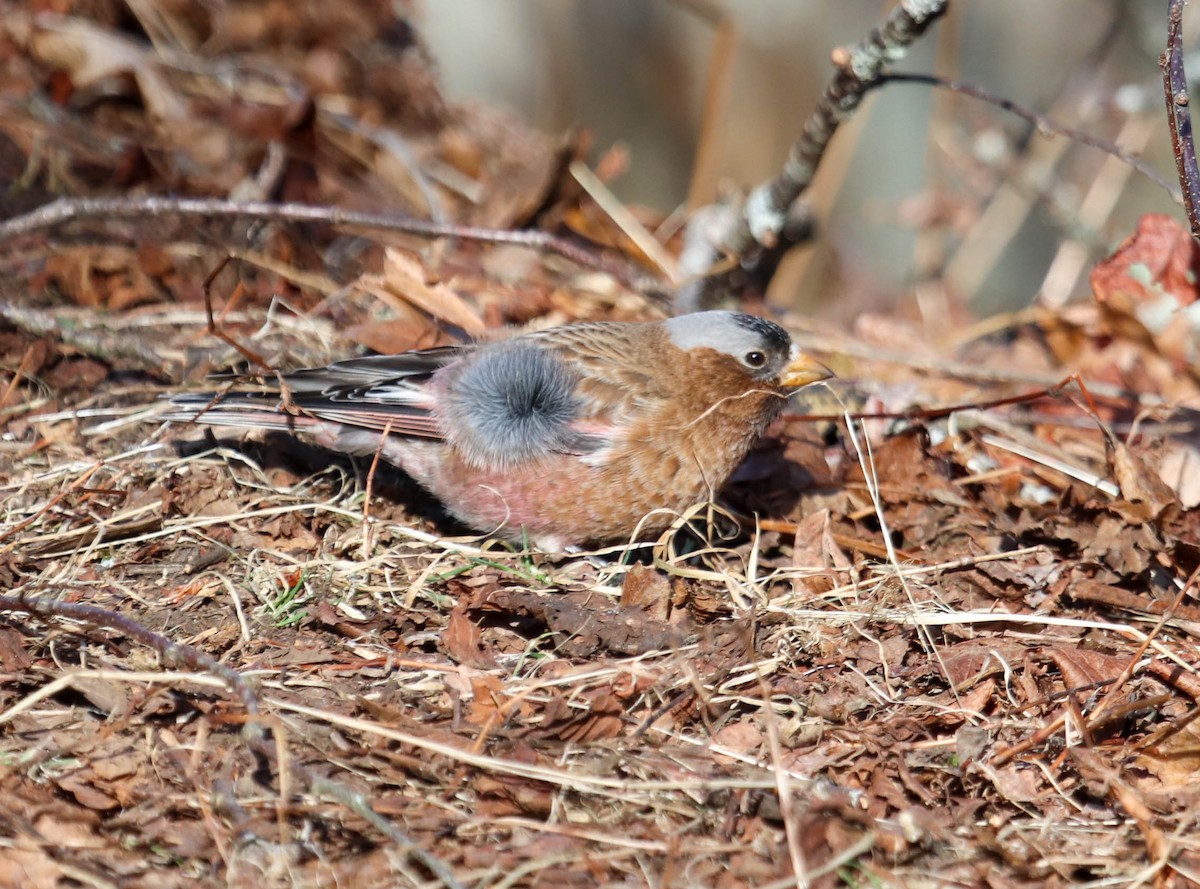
(734,333)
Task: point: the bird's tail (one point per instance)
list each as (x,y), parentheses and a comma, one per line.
(249,410)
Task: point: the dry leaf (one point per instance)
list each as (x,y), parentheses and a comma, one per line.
(647,589)
(463,640)
(1140,485)
(1151,280)
(90,53)
(403,284)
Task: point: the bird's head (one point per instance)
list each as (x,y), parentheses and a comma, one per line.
(760,348)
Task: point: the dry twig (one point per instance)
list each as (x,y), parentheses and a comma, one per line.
(1179,119)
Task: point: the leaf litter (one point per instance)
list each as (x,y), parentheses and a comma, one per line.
(961,646)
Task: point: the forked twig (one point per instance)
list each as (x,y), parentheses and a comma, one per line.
(214,327)
(760,231)
(857,68)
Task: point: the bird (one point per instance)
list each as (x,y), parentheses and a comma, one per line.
(576,436)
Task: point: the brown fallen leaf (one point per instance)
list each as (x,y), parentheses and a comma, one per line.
(463,640)
(594,716)
(403,284)
(647,589)
(90,53)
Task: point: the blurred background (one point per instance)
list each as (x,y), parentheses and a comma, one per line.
(927,199)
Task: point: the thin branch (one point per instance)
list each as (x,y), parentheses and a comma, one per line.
(1041,121)
(773,219)
(936,413)
(172,653)
(858,68)
(1178,117)
(66,210)
(360,804)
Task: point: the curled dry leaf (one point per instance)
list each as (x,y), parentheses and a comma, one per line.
(1180,470)
(593,716)
(403,285)
(816,555)
(464,643)
(102,275)
(648,589)
(1145,495)
(1015,782)
(741,737)
(1174,762)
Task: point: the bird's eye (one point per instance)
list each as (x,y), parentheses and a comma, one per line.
(755,359)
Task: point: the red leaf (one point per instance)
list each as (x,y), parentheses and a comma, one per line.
(1160,256)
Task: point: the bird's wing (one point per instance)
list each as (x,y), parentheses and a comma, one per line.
(569,390)
(377,392)
(615,375)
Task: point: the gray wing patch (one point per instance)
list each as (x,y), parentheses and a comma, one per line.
(356,375)
(514,403)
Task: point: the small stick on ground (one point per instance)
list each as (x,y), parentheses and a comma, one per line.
(170,651)
(366,545)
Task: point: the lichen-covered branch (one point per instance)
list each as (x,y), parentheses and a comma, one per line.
(858,67)
(759,228)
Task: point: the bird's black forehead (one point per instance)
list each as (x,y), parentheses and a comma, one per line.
(773,336)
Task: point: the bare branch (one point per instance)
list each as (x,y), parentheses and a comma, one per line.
(66,210)
(1041,121)
(760,234)
(858,68)
(177,653)
(1178,117)
(172,653)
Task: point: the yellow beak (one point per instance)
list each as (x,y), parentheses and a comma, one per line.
(802,370)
